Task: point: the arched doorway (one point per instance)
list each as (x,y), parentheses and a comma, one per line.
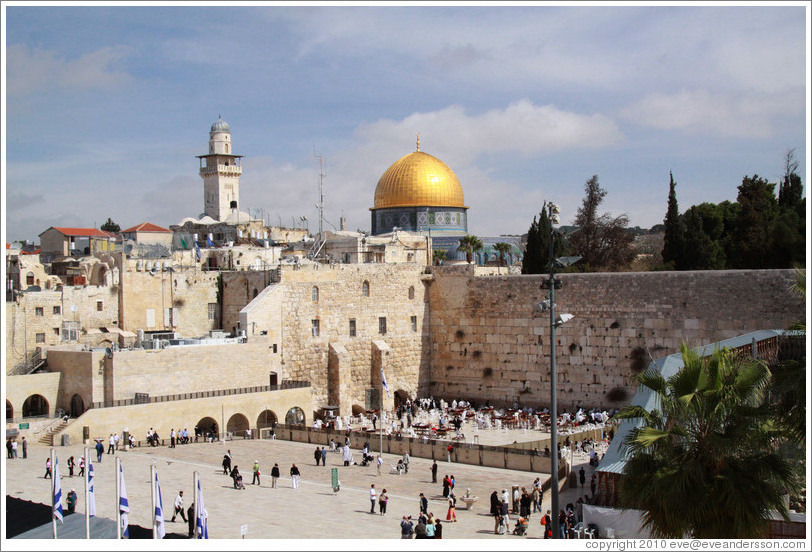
(267,418)
(295,417)
(9,411)
(35,405)
(358,410)
(206,427)
(77,406)
(400,398)
(237,425)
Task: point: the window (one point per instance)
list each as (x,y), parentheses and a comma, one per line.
(314,294)
(314,327)
(56,332)
(40,338)
(365,289)
(411,292)
(352,327)
(212,311)
(57,310)
(382,325)
(29,279)
(99,305)
(414,323)
(38,311)
(70,331)
(150,318)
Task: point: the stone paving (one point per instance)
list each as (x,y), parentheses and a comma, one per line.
(312,511)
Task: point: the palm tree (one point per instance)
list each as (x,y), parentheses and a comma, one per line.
(470,244)
(704,462)
(439,256)
(503,249)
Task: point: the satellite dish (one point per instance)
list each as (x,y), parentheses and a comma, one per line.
(109,352)
(128,248)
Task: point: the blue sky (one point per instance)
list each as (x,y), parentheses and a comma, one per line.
(106,107)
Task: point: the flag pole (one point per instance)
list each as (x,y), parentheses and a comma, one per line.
(87,495)
(197,502)
(118,497)
(53,490)
(152,492)
(381,416)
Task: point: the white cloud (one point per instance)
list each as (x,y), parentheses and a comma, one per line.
(713,113)
(31,70)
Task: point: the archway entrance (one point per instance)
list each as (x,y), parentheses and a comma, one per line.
(206,428)
(400,398)
(295,417)
(9,411)
(358,410)
(266,419)
(77,406)
(35,405)
(237,425)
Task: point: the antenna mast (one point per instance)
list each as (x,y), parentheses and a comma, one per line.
(319,243)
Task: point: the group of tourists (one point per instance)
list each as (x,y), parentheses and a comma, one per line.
(11,447)
(236,476)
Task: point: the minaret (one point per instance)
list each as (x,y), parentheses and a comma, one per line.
(220,173)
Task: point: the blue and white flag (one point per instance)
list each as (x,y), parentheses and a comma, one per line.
(383,380)
(57,498)
(197,251)
(159,510)
(91,489)
(202,530)
(123,504)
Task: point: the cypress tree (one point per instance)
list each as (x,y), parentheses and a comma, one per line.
(674,240)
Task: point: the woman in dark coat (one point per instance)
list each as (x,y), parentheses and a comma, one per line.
(446,486)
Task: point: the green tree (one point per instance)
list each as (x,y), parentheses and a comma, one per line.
(470,244)
(604,242)
(110,226)
(753,225)
(674,245)
(536,258)
(439,256)
(789,227)
(532,262)
(503,249)
(706,444)
(704,232)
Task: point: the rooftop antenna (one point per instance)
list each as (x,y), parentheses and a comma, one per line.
(316,249)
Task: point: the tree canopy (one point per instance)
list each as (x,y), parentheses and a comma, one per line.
(110,226)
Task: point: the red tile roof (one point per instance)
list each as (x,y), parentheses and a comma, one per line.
(84,232)
(146,227)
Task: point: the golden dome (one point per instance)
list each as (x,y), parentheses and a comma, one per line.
(418,180)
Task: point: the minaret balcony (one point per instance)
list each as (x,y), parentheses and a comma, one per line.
(235,170)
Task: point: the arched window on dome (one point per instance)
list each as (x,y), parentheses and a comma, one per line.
(314,294)
(365,289)
(411,292)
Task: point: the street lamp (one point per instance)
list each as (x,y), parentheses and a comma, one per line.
(538,308)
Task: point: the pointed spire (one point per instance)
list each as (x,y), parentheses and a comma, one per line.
(418,142)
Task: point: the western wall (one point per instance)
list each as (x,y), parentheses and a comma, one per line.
(486,344)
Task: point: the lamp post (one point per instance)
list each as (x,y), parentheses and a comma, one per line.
(549,304)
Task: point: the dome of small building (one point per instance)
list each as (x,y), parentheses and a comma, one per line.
(220,126)
(419,179)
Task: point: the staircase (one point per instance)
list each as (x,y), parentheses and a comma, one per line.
(48,438)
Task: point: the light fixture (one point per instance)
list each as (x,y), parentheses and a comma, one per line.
(562,318)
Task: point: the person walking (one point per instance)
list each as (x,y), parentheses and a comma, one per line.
(323,456)
(446,486)
(25,448)
(47,469)
(274,475)
(256,480)
(8,448)
(226,464)
(406,461)
(582,476)
(382,500)
(190,515)
(372,498)
(495,503)
(434,472)
(379,463)
(172,438)
(111,444)
(450,450)
(317,455)
(14,448)
(71,464)
(99,451)
(179,507)
(294,476)
(424,504)
(81,466)
(593,485)
(452,508)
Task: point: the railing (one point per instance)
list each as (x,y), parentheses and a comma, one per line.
(232,169)
(46,428)
(204,394)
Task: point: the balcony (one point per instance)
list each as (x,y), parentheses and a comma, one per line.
(235,170)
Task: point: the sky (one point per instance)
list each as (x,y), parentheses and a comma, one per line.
(106,107)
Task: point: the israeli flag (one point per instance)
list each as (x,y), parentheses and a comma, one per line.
(57,498)
(91,490)
(197,250)
(383,380)
(123,504)
(202,530)
(159,510)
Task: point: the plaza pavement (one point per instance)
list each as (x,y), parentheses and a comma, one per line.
(312,511)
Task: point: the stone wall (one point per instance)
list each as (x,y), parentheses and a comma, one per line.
(486,345)
(286,311)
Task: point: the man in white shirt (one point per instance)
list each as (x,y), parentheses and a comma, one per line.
(372,497)
(179,507)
